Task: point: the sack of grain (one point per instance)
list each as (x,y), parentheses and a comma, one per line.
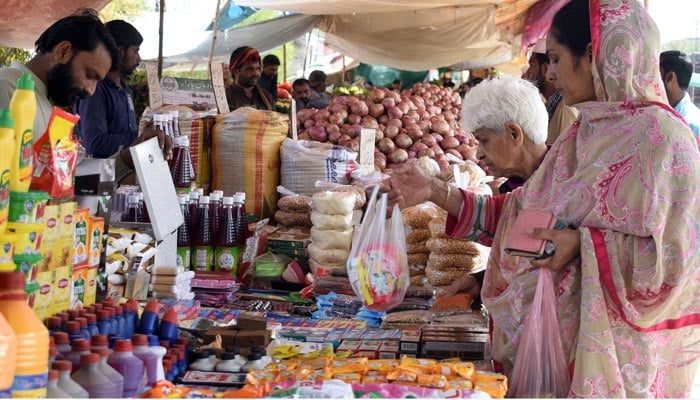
(300,204)
(304,162)
(293,219)
(452,246)
(246,156)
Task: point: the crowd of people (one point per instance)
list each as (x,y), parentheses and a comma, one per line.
(605,139)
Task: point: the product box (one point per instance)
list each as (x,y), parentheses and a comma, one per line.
(43,304)
(50,237)
(80,285)
(227,337)
(62,288)
(252,338)
(389,350)
(82,229)
(91,288)
(349,345)
(97,228)
(66,222)
(289,238)
(410,341)
(369,349)
(467,346)
(94,176)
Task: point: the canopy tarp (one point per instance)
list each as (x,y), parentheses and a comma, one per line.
(22,21)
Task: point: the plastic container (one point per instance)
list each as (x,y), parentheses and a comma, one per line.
(28,237)
(215,203)
(28,207)
(62,341)
(229,363)
(103,324)
(92,324)
(54,324)
(193,207)
(32,367)
(242,217)
(160,352)
(148,325)
(181,170)
(183,236)
(28,264)
(150,360)
(110,372)
(203,362)
(53,353)
(121,324)
(227,239)
(66,383)
(131,316)
(8,358)
(168,368)
(7,141)
(23,110)
(80,347)
(90,377)
(202,238)
(83,327)
(168,326)
(113,321)
(133,210)
(7,251)
(73,331)
(129,366)
(53,391)
(255,362)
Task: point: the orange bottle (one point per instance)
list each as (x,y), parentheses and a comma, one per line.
(8,357)
(32,366)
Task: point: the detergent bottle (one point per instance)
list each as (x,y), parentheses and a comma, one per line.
(23,110)
(7,141)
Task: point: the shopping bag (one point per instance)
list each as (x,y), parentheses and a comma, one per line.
(540,368)
(377,265)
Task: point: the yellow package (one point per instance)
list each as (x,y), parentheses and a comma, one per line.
(43,304)
(418,365)
(260,377)
(91,288)
(495,389)
(316,363)
(433,381)
(52,233)
(350,365)
(402,375)
(319,375)
(62,289)
(348,378)
(343,354)
(82,229)
(283,376)
(97,228)
(382,367)
(7,251)
(282,352)
(462,369)
(374,379)
(282,366)
(80,284)
(67,220)
(460,383)
(485,376)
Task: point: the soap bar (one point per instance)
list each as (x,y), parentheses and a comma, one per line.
(247,322)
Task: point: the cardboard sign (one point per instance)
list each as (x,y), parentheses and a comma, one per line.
(367,137)
(293,119)
(155,95)
(217,80)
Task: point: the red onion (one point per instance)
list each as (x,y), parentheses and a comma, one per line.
(379,161)
(391,131)
(388,102)
(376,110)
(426,153)
(355,131)
(395,122)
(304,136)
(424,126)
(309,123)
(403,141)
(394,112)
(305,114)
(333,136)
(418,146)
(336,118)
(344,140)
(331,128)
(319,134)
(386,145)
(354,119)
(323,114)
(377,95)
(354,144)
(454,153)
(440,126)
(428,140)
(398,156)
(369,122)
(383,119)
(360,108)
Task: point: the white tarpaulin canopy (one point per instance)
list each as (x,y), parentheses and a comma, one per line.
(335,7)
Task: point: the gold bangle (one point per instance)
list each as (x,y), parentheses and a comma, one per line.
(447,196)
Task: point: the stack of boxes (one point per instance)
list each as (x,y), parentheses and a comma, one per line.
(87,239)
(291,242)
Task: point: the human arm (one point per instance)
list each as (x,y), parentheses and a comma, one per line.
(124,164)
(94,127)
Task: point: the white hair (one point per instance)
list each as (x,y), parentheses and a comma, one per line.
(493,103)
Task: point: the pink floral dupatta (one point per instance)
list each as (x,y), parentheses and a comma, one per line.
(627,175)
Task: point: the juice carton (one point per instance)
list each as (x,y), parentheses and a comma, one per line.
(61,289)
(80,240)
(67,233)
(80,285)
(43,305)
(50,237)
(91,288)
(97,227)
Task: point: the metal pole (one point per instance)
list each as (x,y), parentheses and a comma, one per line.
(160,39)
(284,62)
(213,36)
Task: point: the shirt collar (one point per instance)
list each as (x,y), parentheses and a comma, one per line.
(39,85)
(683,103)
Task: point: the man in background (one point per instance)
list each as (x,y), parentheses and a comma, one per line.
(676,72)
(107,118)
(268,79)
(301,92)
(319,97)
(560,115)
(245,90)
(397,84)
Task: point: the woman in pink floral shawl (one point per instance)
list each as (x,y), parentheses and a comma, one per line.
(627,176)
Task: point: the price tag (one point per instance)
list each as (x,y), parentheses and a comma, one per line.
(367,137)
(217,81)
(155,94)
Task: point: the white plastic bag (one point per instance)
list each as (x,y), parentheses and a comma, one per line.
(377,265)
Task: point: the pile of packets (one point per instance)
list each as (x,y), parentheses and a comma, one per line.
(129,253)
(339,306)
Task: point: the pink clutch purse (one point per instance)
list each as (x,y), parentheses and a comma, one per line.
(519,242)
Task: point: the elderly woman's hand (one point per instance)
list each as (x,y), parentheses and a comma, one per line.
(408,185)
(567,246)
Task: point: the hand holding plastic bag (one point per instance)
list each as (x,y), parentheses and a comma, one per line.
(540,368)
(377,265)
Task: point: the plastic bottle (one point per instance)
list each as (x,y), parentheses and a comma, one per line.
(66,383)
(145,216)
(80,347)
(8,357)
(227,241)
(62,341)
(129,366)
(73,314)
(113,322)
(254,362)
(168,368)
(7,141)
(89,376)
(23,110)
(181,169)
(53,352)
(54,324)
(183,235)
(32,366)
(242,218)
(103,324)
(193,207)
(228,363)
(131,316)
(110,372)
(99,341)
(175,371)
(159,351)
(52,390)
(121,324)
(202,244)
(168,124)
(203,362)
(215,207)
(92,324)
(168,326)
(133,209)
(148,325)
(176,122)
(83,323)
(150,360)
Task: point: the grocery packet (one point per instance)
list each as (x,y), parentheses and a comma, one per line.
(55,156)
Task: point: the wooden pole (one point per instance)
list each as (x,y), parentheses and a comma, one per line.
(160,39)
(213,36)
(284,62)
(342,75)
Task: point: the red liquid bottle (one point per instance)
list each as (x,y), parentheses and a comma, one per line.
(181,169)
(202,238)
(133,209)
(241,217)
(183,235)
(193,206)
(215,207)
(144,209)
(227,239)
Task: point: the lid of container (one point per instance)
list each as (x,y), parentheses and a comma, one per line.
(82,312)
(91,309)
(61,338)
(228,356)
(53,375)
(134,198)
(80,345)
(123,345)
(175,113)
(170,316)
(139,340)
(73,314)
(98,306)
(91,318)
(202,354)
(99,340)
(201,191)
(90,358)
(103,314)
(103,353)
(254,356)
(52,342)
(237,198)
(204,200)
(62,365)
(54,321)
(131,305)
(83,322)
(182,199)
(72,326)
(213,196)
(228,200)
(242,194)
(12,281)
(6,120)
(194,195)
(157,117)
(63,315)
(25,82)
(259,349)
(53,351)
(120,310)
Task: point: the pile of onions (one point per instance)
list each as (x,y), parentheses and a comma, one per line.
(421,121)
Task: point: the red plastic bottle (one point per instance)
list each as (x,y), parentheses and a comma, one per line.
(202,238)
(183,235)
(181,169)
(241,217)
(227,239)
(133,210)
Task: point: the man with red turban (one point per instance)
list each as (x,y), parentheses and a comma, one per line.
(245,91)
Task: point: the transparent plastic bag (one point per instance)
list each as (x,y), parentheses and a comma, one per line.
(540,368)
(377,265)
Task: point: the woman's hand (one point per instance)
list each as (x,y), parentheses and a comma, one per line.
(464,284)
(567,246)
(408,186)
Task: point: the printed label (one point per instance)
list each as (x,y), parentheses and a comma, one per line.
(183,258)
(4,194)
(204,258)
(6,393)
(30,386)
(25,158)
(227,259)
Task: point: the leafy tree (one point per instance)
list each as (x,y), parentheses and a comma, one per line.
(127,10)
(9,54)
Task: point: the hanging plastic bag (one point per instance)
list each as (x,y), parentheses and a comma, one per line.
(377,265)
(540,368)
